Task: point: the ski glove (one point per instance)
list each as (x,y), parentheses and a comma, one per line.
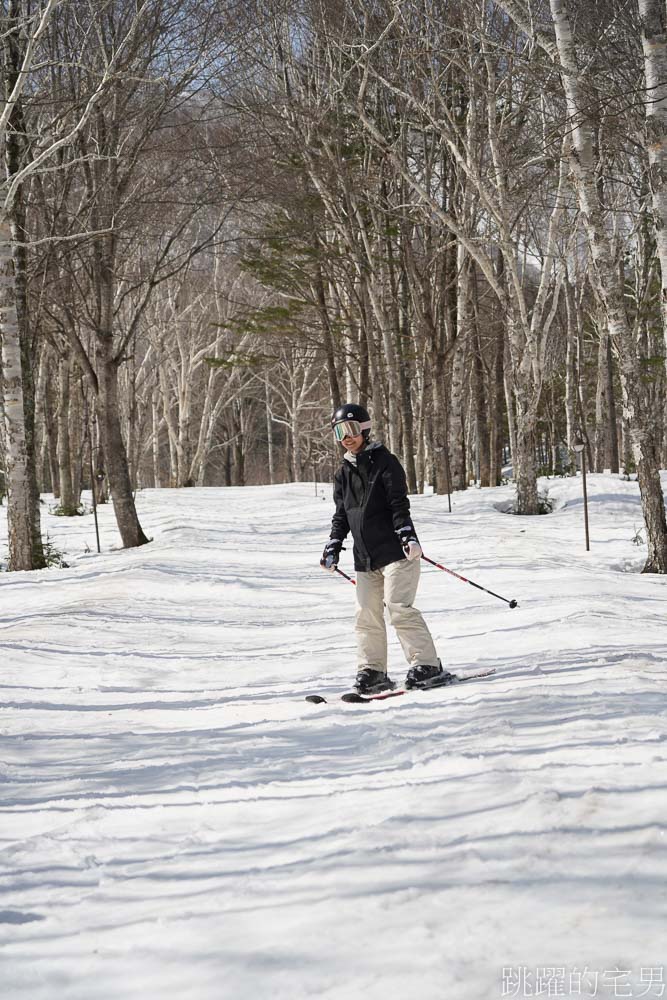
(408,539)
(331,554)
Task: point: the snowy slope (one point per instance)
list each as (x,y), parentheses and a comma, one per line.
(177,822)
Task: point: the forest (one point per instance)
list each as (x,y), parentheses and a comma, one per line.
(220,219)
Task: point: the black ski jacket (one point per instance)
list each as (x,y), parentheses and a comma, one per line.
(371,500)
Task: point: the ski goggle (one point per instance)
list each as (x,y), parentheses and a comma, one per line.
(347,428)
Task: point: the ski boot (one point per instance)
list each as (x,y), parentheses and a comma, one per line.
(371,681)
(428,676)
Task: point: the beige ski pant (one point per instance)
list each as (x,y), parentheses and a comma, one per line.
(394,587)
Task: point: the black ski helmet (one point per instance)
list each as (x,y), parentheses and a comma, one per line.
(352,411)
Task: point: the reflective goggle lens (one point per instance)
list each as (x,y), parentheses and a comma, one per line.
(346,428)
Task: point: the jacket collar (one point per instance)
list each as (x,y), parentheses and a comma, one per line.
(352,459)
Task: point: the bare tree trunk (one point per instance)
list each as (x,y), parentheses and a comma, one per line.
(364,364)
(269,432)
(117,467)
(68,505)
(601,435)
(653,15)
(175,459)
(50,437)
(571,394)
(614,464)
(497,410)
(654,42)
(456,423)
(14,148)
(132,417)
(525,469)
(334,388)
(41,461)
(436,423)
(606,437)
(295,440)
(374,374)
(511,418)
(77,438)
(482,433)
(19,512)
(407,413)
(420,462)
(155,441)
(239,453)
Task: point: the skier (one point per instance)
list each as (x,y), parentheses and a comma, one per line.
(370,493)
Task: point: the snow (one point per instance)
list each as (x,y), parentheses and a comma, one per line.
(176,822)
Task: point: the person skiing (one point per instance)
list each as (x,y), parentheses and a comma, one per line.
(370,493)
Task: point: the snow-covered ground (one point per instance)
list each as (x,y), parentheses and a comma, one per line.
(176,822)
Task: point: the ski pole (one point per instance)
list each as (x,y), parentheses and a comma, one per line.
(512,603)
(340,573)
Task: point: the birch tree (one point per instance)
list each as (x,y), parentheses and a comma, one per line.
(562,50)
(653,14)
(21,34)
(26,31)
(145,183)
(480,139)
(24,28)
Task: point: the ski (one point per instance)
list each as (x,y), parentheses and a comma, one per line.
(360,699)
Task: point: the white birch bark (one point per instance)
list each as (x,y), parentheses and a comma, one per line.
(605,272)
(529,324)
(654,43)
(610,289)
(47,144)
(511,419)
(653,15)
(16,465)
(456,420)
(571,393)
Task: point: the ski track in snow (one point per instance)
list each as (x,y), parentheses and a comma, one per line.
(177,822)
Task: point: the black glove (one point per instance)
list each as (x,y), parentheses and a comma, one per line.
(407,536)
(331,554)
